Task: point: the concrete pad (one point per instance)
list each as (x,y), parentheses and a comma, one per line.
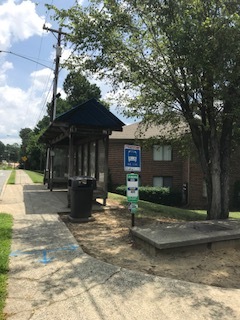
(39,200)
(188,235)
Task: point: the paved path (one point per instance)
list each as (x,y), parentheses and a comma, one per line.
(4,175)
(52,278)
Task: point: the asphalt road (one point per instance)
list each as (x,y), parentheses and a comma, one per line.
(4,175)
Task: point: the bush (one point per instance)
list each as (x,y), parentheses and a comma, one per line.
(158,195)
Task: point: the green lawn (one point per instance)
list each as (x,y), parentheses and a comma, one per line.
(148,209)
(5,241)
(35,176)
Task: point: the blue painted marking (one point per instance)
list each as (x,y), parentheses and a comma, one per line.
(70,247)
(43,252)
(15,253)
(45,259)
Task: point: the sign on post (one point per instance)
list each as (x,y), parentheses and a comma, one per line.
(132,187)
(132,194)
(132,158)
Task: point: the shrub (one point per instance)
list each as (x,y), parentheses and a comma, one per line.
(158,195)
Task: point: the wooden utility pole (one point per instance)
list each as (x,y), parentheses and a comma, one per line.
(56,70)
(50,152)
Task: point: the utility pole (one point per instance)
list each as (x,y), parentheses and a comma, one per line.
(56,71)
(50,152)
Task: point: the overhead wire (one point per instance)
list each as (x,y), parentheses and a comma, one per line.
(44,106)
(46,99)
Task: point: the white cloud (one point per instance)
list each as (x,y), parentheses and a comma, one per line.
(66,53)
(23,109)
(41,79)
(19,107)
(18,22)
(11,99)
(4,68)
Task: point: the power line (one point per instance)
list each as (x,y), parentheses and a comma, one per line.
(26,58)
(33,86)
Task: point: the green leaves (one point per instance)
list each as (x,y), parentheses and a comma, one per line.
(173,52)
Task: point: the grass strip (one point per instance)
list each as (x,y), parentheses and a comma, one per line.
(154,210)
(12,177)
(36,177)
(6,221)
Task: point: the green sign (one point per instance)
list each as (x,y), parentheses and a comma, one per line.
(132,187)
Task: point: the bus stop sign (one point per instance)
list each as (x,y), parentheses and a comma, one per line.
(132,158)
(132,188)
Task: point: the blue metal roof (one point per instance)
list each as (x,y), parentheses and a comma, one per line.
(92,114)
(88,118)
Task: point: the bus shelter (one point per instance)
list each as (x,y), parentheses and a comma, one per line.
(77,145)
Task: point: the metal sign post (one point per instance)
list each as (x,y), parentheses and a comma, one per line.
(132,163)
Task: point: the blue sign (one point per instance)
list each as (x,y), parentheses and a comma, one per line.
(132,158)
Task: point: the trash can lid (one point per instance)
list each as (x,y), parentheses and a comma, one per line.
(81,181)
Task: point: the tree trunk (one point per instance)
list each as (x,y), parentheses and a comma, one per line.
(225,146)
(214,192)
(225,195)
(214,158)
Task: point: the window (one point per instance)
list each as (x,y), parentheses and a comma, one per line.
(165,182)
(162,153)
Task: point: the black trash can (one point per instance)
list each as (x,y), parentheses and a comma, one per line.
(81,195)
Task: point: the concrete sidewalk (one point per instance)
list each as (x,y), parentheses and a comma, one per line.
(52,278)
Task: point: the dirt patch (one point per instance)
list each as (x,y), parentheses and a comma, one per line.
(107,239)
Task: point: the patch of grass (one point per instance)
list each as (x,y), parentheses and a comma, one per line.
(5,240)
(156,210)
(234,215)
(35,176)
(149,209)
(12,177)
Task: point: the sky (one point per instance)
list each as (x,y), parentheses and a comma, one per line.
(27,63)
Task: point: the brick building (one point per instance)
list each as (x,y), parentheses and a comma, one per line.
(162,165)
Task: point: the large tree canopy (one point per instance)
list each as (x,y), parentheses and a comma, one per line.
(181,59)
(79,90)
